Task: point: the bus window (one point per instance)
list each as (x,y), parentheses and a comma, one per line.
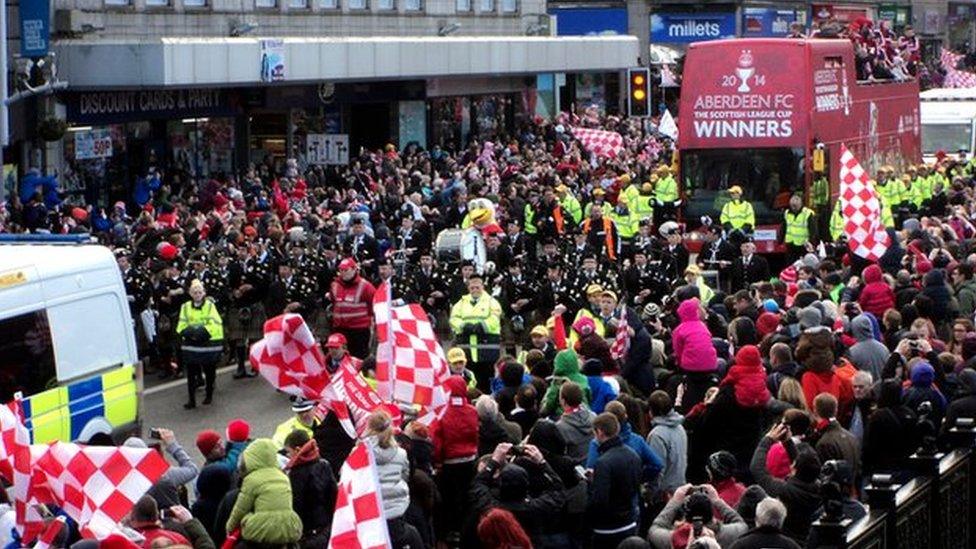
(26,355)
(946,137)
(767,176)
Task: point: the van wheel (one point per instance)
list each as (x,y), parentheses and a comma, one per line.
(94,426)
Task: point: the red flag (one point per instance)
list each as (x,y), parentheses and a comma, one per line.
(358,521)
(861,208)
(16,463)
(382,308)
(50,535)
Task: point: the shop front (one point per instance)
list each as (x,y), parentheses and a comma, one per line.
(483,109)
(601,90)
(771,22)
(961,25)
(115,137)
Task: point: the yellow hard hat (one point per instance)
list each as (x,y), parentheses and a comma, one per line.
(610,294)
(735,189)
(654,179)
(599,192)
(456,355)
(693,269)
(625,178)
(647,187)
(561,188)
(664,168)
(594,289)
(539,330)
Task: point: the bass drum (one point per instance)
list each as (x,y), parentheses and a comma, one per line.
(457,245)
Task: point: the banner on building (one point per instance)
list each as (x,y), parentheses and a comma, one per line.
(92,144)
(685,28)
(327,149)
(771,22)
(35,27)
(272,60)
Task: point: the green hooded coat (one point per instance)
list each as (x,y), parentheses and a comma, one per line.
(565,368)
(263,508)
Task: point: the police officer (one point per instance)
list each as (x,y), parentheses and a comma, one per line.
(626,223)
(570,204)
(476,324)
(799,228)
(737,214)
(666,196)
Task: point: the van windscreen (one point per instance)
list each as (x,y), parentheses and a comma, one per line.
(946,137)
(26,355)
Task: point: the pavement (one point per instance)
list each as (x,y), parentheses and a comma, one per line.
(251,399)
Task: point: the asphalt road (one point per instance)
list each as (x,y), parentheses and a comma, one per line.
(252,399)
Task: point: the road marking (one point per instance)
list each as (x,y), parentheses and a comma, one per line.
(181,382)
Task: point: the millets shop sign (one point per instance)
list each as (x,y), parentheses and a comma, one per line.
(147,104)
(685,28)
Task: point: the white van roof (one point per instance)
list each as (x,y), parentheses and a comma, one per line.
(948,94)
(54,261)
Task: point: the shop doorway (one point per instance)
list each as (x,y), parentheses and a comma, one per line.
(370,126)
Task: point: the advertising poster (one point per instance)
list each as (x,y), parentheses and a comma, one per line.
(327,149)
(272,60)
(769,22)
(92,144)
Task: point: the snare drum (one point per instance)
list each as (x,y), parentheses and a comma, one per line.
(456,245)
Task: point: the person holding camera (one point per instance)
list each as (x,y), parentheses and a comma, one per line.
(201,331)
(503,482)
(690,515)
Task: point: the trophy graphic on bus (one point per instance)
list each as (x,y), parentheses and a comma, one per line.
(744,71)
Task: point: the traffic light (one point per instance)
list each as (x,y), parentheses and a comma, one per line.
(639,96)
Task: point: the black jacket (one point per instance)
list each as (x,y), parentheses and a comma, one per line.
(756,271)
(616,478)
(764,537)
(313,494)
(802,499)
(532,512)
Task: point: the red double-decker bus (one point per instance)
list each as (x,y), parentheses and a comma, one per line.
(754,111)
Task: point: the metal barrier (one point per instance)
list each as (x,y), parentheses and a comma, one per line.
(933,509)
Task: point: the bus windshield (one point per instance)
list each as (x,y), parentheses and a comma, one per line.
(946,137)
(767,176)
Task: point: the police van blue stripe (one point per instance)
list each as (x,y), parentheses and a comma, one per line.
(85,402)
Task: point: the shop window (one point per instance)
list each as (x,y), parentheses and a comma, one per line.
(462,5)
(487,6)
(329,4)
(386,5)
(509,6)
(157,3)
(298,4)
(413,5)
(201,147)
(358,5)
(116,3)
(265,4)
(194,3)
(26,355)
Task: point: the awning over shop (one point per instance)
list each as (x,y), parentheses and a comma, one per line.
(186,62)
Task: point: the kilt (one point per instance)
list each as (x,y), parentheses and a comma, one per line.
(238,328)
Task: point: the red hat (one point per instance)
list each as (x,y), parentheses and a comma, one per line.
(117,541)
(207,440)
(788,274)
(584,326)
(748,356)
(348,263)
(79,214)
(335,341)
(767,323)
(238,430)
(167,251)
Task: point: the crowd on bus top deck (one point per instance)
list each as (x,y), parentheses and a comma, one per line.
(735,413)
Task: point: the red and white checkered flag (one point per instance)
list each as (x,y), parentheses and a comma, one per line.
(954,77)
(16,466)
(599,142)
(410,367)
(861,209)
(621,343)
(51,533)
(95,485)
(291,360)
(358,522)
